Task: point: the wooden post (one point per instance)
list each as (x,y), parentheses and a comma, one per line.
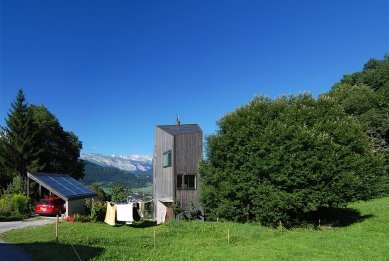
(28,187)
(155,243)
(228,235)
(56,229)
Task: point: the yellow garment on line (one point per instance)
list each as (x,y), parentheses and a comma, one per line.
(110,216)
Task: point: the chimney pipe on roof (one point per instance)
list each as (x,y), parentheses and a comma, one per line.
(178,122)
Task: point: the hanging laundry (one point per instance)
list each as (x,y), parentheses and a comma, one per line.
(124,212)
(141,209)
(161,210)
(110,214)
(135,212)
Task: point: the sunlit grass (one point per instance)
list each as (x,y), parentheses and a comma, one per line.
(364,240)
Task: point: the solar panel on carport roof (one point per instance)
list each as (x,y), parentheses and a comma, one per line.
(65,185)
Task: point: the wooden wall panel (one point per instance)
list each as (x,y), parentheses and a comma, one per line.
(187,152)
(162,177)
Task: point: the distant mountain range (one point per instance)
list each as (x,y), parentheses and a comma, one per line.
(135,171)
(133,163)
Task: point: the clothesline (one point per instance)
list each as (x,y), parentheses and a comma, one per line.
(124,212)
(138,200)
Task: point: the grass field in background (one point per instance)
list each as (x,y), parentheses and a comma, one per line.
(366,239)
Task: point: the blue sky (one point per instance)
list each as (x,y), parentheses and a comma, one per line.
(112,70)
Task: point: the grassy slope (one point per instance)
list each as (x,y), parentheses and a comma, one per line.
(366,240)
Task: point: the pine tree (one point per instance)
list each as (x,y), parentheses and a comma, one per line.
(17,153)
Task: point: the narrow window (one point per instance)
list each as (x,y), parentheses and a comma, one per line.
(167,159)
(179,181)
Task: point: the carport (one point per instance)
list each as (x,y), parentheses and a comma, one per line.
(65,187)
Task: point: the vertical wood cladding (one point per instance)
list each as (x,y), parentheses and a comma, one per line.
(186,145)
(189,150)
(163,177)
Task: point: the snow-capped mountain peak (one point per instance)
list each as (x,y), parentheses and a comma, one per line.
(128,163)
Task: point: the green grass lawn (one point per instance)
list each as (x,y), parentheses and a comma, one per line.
(366,239)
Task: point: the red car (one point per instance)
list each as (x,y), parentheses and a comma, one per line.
(50,206)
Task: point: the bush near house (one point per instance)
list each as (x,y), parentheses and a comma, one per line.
(288,159)
(13,207)
(96,209)
(280,160)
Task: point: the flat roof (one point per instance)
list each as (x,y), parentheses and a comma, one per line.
(180,129)
(62,185)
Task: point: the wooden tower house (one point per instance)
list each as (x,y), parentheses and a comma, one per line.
(178,150)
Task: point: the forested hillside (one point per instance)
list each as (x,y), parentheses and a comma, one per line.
(108,176)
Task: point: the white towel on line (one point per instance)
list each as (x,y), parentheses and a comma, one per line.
(124,212)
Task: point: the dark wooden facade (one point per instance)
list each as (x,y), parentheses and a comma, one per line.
(184,143)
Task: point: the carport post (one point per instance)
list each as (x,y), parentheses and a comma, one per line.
(28,187)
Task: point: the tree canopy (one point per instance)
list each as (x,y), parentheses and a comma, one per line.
(59,150)
(375,74)
(279,160)
(17,153)
(33,140)
(365,96)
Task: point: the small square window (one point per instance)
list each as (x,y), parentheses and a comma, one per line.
(190,181)
(186,181)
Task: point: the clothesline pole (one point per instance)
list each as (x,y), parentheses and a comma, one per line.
(155,243)
(228,235)
(56,230)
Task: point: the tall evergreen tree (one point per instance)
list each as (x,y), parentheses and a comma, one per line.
(33,140)
(17,154)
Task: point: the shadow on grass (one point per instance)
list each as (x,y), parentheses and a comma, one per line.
(143,224)
(337,217)
(59,251)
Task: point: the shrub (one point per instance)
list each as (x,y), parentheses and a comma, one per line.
(119,192)
(14,206)
(17,186)
(278,160)
(20,204)
(101,195)
(192,213)
(82,218)
(97,209)
(12,217)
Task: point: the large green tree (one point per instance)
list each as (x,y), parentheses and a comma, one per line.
(375,74)
(33,140)
(59,150)
(365,96)
(17,153)
(279,160)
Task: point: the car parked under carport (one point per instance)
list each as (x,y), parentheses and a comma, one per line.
(65,188)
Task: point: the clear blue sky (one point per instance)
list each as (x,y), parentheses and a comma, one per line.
(112,70)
